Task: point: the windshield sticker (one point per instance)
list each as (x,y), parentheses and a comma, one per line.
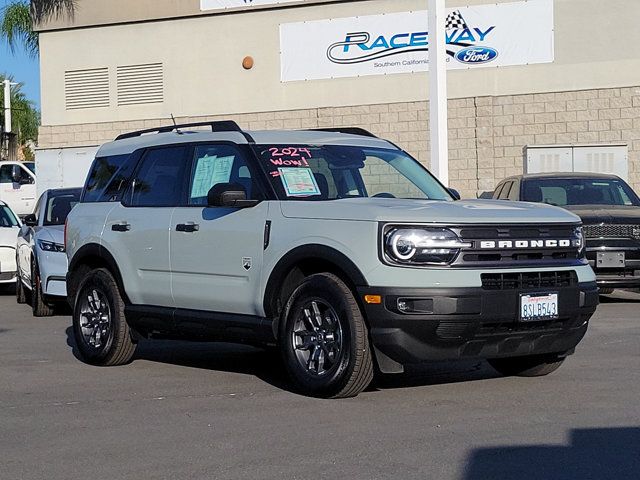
(290,156)
(299,182)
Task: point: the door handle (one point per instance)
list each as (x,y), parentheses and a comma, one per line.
(187,227)
(120,227)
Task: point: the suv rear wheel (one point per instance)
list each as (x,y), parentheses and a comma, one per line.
(38,305)
(529,366)
(100,329)
(324,339)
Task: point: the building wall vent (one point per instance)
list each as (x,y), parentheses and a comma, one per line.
(598,158)
(140,84)
(86,88)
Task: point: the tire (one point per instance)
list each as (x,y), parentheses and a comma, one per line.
(530,366)
(21,294)
(325,347)
(38,305)
(100,328)
(605,291)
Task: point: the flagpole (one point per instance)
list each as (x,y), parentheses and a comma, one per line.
(438,91)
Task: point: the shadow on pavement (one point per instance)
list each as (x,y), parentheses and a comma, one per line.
(629,298)
(266,364)
(592,454)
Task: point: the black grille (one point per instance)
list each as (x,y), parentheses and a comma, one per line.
(517,232)
(528,280)
(7,275)
(519,252)
(612,231)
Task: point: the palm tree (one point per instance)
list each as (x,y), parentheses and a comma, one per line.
(18,16)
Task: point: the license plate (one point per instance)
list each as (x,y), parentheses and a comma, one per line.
(610,260)
(535,308)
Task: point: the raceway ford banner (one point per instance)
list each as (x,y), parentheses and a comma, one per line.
(477,36)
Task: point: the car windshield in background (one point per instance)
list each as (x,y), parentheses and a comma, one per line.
(331,172)
(579,191)
(7,218)
(31,166)
(58,207)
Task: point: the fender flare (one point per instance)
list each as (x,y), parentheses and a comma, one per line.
(311,252)
(91,252)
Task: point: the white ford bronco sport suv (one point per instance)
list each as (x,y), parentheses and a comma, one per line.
(334,245)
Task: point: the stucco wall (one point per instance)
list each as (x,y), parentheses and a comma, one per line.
(203,75)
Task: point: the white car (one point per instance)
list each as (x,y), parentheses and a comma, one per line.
(42,261)
(9,228)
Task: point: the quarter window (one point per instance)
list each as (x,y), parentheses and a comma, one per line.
(107,179)
(159,180)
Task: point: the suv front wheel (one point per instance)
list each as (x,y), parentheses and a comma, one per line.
(324,339)
(100,329)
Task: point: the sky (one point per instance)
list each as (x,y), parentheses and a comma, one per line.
(22,68)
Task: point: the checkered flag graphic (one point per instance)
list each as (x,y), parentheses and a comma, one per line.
(455,21)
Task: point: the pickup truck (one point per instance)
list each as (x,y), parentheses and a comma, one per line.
(18,186)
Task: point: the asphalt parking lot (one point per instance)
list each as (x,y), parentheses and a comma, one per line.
(211,411)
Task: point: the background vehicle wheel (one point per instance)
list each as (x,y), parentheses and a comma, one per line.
(100,329)
(530,366)
(38,305)
(324,339)
(605,291)
(21,294)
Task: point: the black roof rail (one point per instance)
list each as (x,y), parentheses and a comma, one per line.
(220,126)
(350,130)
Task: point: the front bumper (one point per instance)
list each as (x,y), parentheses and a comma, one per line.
(53,274)
(472,322)
(7,265)
(627,277)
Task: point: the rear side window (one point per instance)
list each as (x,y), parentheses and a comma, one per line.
(160,178)
(107,179)
(216,164)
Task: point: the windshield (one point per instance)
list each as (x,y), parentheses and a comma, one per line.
(331,172)
(579,191)
(58,206)
(7,218)
(31,166)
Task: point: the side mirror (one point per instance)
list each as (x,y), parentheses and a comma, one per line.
(229,195)
(454,193)
(30,220)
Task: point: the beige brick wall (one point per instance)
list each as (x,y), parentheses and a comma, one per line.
(487,135)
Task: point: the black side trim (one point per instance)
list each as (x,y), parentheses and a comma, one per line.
(311,252)
(198,325)
(267,234)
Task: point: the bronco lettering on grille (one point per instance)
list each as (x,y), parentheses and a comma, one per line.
(511,244)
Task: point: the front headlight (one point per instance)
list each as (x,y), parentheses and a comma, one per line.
(51,246)
(422,246)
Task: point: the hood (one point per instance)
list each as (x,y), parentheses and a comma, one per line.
(615,214)
(54,233)
(428,211)
(9,236)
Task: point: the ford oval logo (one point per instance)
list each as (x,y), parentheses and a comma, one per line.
(476,55)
